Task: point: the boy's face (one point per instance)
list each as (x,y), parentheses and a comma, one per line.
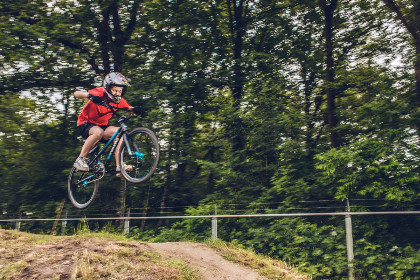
(117,91)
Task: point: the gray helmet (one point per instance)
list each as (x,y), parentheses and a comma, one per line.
(115,79)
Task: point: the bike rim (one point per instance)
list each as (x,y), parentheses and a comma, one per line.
(82,188)
(141,165)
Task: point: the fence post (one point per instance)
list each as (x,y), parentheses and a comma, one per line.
(58,216)
(349,242)
(127,222)
(214,224)
(64,224)
(123,200)
(17,226)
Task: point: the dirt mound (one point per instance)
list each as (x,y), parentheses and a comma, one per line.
(93,256)
(210,265)
(26,256)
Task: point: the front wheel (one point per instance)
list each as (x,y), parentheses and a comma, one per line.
(139,161)
(83,185)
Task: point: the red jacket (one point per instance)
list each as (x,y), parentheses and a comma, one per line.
(98,114)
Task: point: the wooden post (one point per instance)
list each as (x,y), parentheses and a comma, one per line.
(58,216)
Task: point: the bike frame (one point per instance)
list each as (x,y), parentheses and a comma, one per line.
(95,159)
(121,132)
(131,144)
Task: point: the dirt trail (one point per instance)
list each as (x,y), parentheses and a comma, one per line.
(209,264)
(31,256)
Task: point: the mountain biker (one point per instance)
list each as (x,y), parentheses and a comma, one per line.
(93,120)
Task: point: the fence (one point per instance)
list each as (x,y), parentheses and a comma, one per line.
(215,217)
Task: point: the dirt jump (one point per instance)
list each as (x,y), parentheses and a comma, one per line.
(102,256)
(209,264)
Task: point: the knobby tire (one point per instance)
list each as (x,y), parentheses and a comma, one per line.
(143,164)
(81,196)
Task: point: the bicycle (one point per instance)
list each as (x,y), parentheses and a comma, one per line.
(139,157)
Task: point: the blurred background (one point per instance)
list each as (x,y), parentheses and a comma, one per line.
(271,106)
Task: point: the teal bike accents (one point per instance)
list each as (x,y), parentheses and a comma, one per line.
(139,155)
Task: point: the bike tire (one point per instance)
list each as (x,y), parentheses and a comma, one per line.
(82,194)
(140,167)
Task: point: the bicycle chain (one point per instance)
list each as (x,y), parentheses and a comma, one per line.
(99,169)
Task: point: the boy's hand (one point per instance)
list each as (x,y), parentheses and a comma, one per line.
(136,110)
(95,99)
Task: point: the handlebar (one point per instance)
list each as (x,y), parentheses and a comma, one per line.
(105,104)
(122,118)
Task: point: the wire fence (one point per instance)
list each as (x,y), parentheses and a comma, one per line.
(130,216)
(214,216)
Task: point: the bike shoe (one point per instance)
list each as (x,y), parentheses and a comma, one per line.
(81,164)
(127,167)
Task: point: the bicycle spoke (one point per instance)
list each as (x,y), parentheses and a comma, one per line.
(82,187)
(142,163)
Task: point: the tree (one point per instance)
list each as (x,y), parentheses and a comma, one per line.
(66,43)
(328,10)
(408,14)
(273,102)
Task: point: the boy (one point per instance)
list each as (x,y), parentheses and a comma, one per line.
(93,120)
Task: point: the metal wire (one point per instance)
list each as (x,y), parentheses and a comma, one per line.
(225,216)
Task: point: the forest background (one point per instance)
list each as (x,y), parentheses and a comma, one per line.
(260,107)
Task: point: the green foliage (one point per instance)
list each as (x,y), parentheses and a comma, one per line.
(185,229)
(370,168)
(375,262)
(237,97)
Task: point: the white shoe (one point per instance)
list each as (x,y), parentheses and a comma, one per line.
(127,167)
(81,164)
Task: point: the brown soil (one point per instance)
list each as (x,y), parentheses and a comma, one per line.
(30,256)
(210,265)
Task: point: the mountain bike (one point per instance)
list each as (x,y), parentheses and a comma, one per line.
(139,157)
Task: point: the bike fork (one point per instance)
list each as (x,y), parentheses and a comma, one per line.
(136,154)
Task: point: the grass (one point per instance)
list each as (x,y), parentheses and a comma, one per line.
(268,267)
(188,272)
(94,255)
(85,255)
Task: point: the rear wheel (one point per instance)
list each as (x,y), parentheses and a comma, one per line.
(83,185)
(141,164)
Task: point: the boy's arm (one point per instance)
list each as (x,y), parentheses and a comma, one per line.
(87,96)
(81,94)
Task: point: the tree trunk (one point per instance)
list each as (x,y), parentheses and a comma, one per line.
(417,71)
(112,38)
(167,182)
(145,207)
(123,200)
(166,187)
(412,24)
(417,43)
(328,10)
(237,26)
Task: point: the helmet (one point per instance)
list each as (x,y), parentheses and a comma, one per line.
(115,79)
